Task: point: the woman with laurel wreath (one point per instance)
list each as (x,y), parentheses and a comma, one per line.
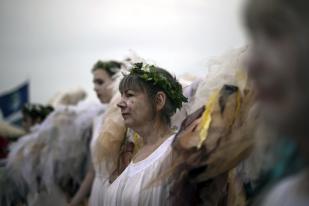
(149,97)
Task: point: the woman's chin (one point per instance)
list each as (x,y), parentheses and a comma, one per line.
(104,101)
(127,122)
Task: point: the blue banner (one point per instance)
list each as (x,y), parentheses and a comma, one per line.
(11,103)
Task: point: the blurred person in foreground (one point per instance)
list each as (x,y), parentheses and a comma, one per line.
(278,68)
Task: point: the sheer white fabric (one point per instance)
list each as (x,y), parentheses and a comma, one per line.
(54,152)
(135,185)
(99,184)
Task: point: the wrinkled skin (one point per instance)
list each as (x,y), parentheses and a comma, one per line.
(135,108)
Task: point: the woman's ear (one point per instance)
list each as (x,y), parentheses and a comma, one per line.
(160,100)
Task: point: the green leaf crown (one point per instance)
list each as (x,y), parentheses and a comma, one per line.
(149,73)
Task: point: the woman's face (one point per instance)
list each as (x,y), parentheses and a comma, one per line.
(136,108)
(28,122)
(278,64)
(103,85)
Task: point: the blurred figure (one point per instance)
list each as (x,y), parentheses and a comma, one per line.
(104,76)
(47,166)
(278,67)
(8,133)
(34,114)
(215,137)
(69,97)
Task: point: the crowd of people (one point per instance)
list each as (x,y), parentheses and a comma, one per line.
(234,137)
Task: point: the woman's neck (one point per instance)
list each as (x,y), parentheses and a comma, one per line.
(153,131)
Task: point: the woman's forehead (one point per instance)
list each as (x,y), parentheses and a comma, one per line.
(133,90)
(131,83)
(100,73)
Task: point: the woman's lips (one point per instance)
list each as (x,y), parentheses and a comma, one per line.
(125,115)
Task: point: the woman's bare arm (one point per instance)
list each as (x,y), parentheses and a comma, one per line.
(84,189)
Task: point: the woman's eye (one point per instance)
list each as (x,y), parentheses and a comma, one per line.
(129,94)
(99,82)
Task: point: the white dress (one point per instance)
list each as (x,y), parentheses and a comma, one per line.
(100,182)
(135,185)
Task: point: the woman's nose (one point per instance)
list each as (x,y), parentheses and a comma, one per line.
(122,104)
(95,88)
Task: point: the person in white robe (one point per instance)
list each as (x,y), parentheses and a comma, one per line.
(149,97)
